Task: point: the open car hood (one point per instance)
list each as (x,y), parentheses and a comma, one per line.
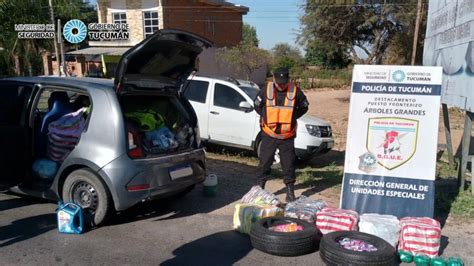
(162,60)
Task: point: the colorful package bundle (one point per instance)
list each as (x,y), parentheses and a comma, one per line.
(332,219)
(257,195)
(386,227)
(356,245)
(246,214)
(420,236)
(287,228)
(304,208)
(64,134)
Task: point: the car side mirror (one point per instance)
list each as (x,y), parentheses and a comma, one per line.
(246,107)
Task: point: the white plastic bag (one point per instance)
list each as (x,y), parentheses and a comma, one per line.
(386,227)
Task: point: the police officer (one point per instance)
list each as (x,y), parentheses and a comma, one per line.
(279,105)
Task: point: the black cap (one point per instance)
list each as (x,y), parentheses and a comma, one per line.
(282,75)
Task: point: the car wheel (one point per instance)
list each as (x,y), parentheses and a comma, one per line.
(276,157)
(284,243)
(332,252)
(85,189)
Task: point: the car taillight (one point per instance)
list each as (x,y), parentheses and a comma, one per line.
(134,149)
(138,187)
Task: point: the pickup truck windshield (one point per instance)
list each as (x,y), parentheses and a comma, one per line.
(250,91)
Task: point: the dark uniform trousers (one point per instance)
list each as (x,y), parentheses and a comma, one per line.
(287,153)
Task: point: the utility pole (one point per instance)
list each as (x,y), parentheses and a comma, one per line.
(415,35)
(62,66)
(51,13)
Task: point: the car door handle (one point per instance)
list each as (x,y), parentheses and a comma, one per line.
(214,112)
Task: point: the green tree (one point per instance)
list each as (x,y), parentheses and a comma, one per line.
(245,57)
(326,55)
(28,51)
(285,55)
(370,27)
(400,48)
(249,35)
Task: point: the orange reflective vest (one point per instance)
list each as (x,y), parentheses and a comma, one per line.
(282,116)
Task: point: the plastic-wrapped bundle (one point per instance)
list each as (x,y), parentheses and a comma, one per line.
(332,219)
(386,227)
(246,214)
(420,236)
(305,209)
(257,195)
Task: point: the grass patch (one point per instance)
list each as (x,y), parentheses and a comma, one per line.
(463,205)
(445,171)
(325,78)
(310,176)
(450,201)
(233,157)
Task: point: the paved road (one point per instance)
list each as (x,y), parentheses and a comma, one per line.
(178,232)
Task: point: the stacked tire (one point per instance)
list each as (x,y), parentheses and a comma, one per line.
(332,253)
(284,243)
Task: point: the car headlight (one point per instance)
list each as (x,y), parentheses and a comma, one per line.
(313,130)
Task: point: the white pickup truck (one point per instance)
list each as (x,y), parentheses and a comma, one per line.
(224,107)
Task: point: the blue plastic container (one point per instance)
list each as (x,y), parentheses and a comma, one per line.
(70,218)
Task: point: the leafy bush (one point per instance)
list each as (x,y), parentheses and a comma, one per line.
(324,78)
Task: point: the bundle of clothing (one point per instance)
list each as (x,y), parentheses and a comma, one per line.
(157,136)
(64,134)
(304,208)
(255,205)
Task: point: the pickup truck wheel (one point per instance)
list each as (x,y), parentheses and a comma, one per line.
(85,189)
(276,158)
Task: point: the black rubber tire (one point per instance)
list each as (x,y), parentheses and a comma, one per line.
(104,200)
(281,243)
(332,253)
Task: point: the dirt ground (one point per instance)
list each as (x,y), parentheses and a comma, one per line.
(237,172)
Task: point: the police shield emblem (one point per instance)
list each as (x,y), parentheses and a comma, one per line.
(392,140)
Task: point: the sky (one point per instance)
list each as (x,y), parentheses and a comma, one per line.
(276,21)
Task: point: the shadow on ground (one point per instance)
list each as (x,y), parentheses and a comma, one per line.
(235,179)
(314,181)
(212,250)
(13,203)
(443,245)
(27,228)
(446,192)
(333,157)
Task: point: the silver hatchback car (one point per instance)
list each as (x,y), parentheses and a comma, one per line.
(106,145)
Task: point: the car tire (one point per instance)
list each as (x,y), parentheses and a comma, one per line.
(284,243)
(332,253)
(87,190)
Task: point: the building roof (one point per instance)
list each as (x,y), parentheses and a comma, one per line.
(100,51)
(224,3)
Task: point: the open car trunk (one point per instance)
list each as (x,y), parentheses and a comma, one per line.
(157,125)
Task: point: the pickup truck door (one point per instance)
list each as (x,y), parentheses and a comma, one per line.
(15,135)
(197,92)
(227,122)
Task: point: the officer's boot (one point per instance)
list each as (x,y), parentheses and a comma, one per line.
(290,192)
